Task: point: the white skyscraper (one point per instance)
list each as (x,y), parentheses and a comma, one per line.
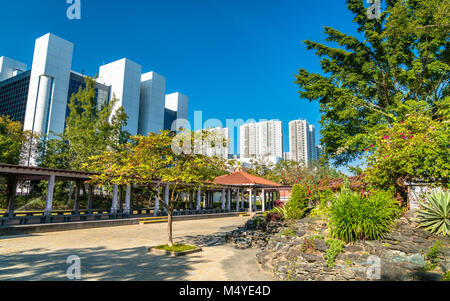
(49,85)
(124,77)
(10,68)
(177,102)
(302,139)
(153,101)
(261,139)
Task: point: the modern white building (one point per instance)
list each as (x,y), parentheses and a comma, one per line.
(124,78)
(176,111)
(261,139)
(49,85)
(152,103)
(38,97)
(302,142)
(10,68)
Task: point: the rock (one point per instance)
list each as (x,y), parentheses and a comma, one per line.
(416,259)
(320,245)
(310,257)
(353,248)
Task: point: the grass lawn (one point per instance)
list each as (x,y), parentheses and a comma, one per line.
(176,248)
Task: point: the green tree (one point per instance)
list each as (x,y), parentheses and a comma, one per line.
(399,65)
(14,141)
(91,128)
(163,157)
(416,148)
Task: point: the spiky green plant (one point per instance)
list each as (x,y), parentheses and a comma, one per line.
(434,214)
(365,216)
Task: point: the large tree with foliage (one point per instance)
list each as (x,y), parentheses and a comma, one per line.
(397,65)
(14,142)
(91,128)
(159,158)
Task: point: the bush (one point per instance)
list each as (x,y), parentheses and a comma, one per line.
(336,246)
(323,208)
(299,196)
(273,216)
(435,213)
(366,216)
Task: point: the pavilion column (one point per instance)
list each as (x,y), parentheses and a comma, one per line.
(128,200)
(115,199)
(49,199)
(223,199)
(12,188)
(199,199)
(238,199)
(205,199)
(263,200)
(90,194)
(76,204)
(250,199)
(229,200)
(156,210)
(166,197)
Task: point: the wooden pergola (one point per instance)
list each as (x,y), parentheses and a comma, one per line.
(239,192)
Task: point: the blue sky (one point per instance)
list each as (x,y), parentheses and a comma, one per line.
(233,58)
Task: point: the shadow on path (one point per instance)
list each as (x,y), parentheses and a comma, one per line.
(96,264)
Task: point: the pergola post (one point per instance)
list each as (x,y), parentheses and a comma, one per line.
(49,199)
(205,199)
(128,200)
(223,199)
(90,194)
(12,187)
(229,200)
(238,199)
(199,199)
(114,205)
(263,200)
(76,203)
(156,210)
(250,199)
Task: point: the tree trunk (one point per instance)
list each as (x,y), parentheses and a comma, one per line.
(169,226)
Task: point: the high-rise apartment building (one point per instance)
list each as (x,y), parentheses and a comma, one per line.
(261,139)
(38,97)
(302,140)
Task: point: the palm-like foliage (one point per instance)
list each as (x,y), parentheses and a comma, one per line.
(435,212)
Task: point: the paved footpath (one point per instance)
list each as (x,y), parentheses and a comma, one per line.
(120,253)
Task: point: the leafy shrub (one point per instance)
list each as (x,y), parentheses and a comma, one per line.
(290,211)
(446,277)
(416,147)
(435,213)
(308,245)
(299,196)
(273,216)
(336,246)
(432,256)
(362,215)
(323,207)
(289,232)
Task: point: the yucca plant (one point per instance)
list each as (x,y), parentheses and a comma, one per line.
(434,214)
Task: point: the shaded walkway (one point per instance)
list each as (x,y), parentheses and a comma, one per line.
(119,253)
